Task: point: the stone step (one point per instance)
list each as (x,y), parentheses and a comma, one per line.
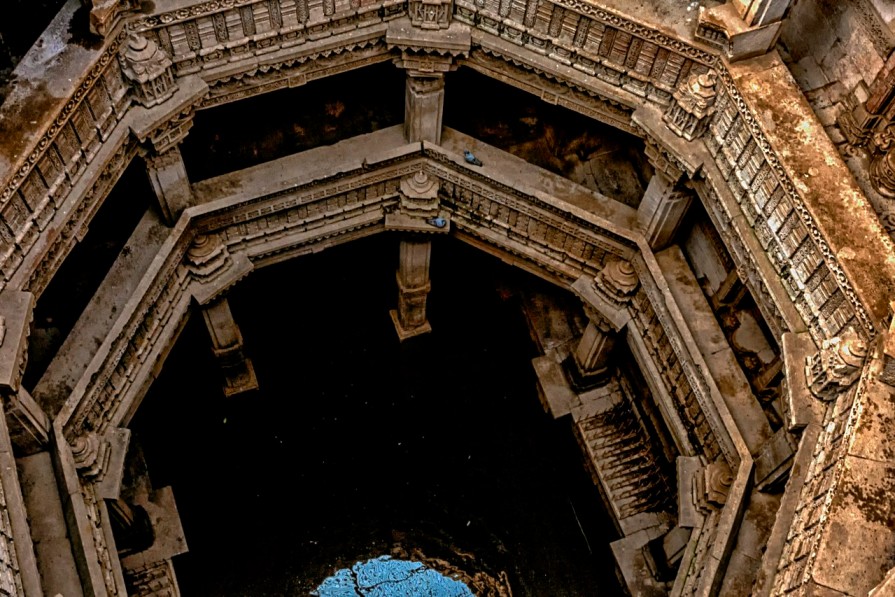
(621,456)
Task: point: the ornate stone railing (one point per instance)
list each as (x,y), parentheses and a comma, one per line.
(595,41)
(210,35)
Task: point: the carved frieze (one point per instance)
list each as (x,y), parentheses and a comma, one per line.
(430,14)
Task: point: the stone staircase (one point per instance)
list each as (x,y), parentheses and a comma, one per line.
(621,458)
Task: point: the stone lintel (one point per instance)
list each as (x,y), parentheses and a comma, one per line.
(618,317)
(553,388)
(16,309)
(801,408)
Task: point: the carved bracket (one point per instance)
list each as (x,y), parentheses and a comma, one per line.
(693,103)
(149,70)
(836,366)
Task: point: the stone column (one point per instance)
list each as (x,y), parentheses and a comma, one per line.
(758,13)
(662,209)
(423,106)
(413,288)
(168,176)
(606,299)
(589,362)
(226,340)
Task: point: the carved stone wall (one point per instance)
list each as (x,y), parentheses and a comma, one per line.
(775,212)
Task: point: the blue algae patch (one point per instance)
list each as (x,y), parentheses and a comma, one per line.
(385,577)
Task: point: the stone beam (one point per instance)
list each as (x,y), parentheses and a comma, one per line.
(227,344)
(413,288)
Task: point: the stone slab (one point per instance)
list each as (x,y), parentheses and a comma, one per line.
(687,467)
(553,387)
(859,522)
(802,408)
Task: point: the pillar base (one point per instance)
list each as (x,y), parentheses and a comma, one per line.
(240,379)
(405,333)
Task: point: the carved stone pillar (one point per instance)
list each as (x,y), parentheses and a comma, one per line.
(227,344)
(423,107)
(662,210)
(413,288)
(168,176)
(429,46)
(606,300)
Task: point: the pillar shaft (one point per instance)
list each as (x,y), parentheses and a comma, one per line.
(413,288)
(168,176)
(662,209)
(226,341)
(757,13)
(423,108)
(593,350)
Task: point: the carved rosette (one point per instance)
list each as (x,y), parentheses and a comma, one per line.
(717,480)
(836,366)
(430,14)
(692,105)
(149,70)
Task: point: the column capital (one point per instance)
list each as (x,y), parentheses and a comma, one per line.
(607,296)
(428,52)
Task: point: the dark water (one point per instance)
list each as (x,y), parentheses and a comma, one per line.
(357,443)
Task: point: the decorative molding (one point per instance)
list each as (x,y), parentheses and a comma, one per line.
(867,329)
